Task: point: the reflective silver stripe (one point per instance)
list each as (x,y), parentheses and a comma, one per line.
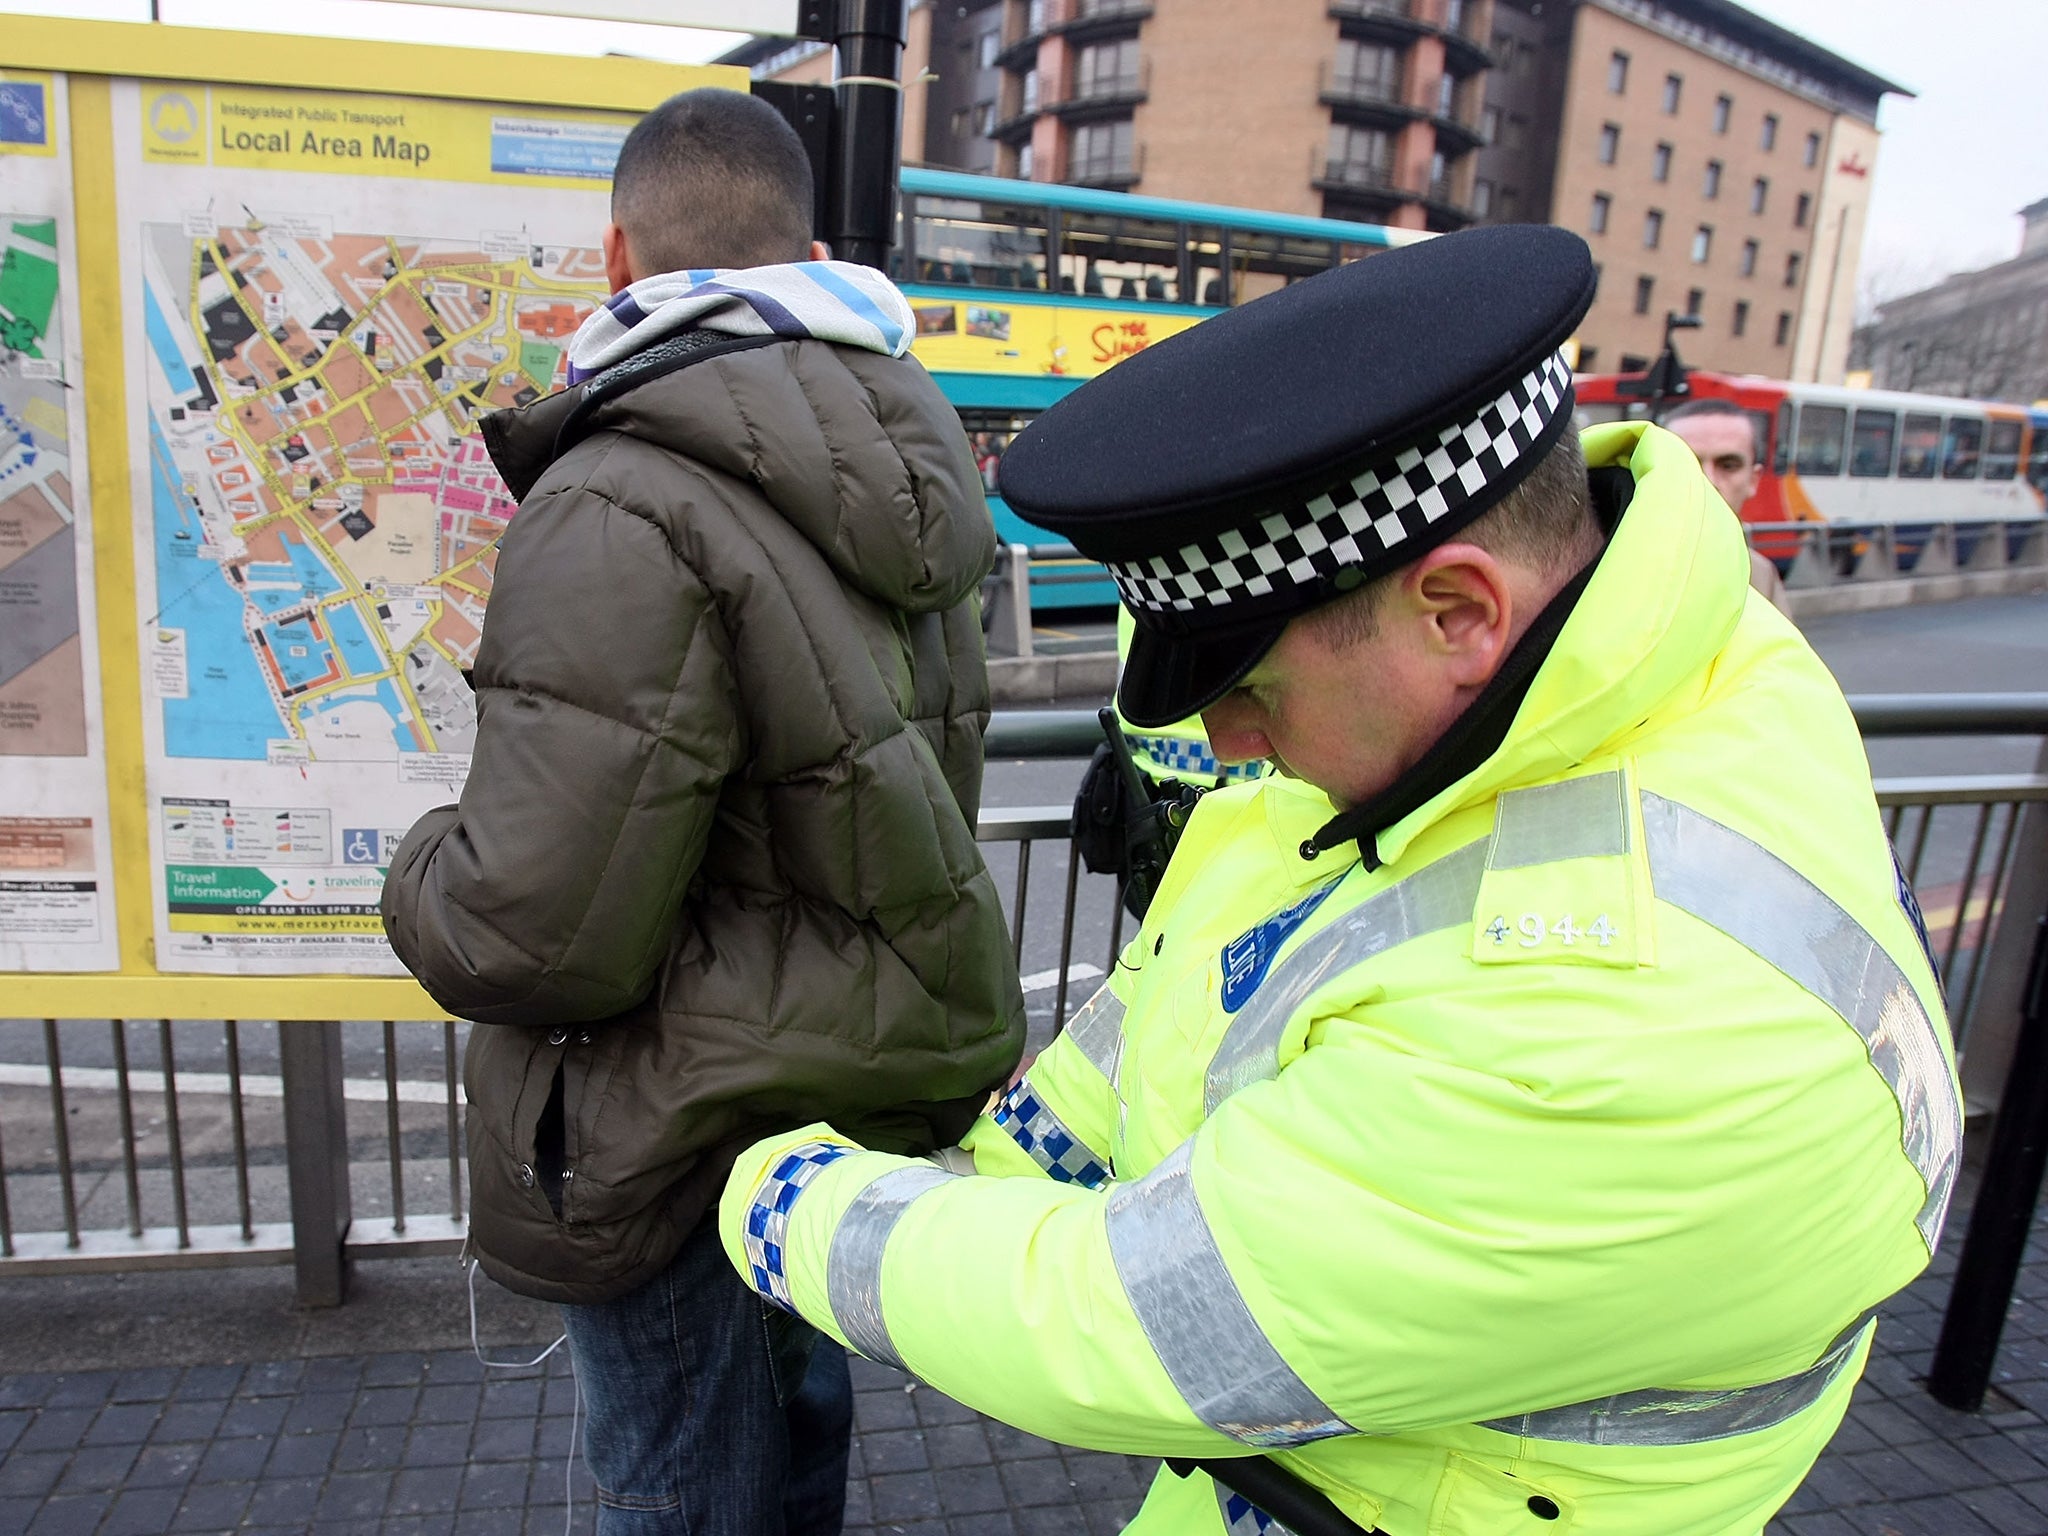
(1577,819)
(1655,1417)
(1098,1030)
(1763,904)
(1435,897)
(1196,1321)
(853,1265)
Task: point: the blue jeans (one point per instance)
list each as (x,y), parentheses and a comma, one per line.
(710,1412)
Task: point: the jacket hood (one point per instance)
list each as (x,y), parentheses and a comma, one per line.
(857,450)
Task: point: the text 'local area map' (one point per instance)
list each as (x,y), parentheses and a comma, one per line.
(325,515)
(42,686)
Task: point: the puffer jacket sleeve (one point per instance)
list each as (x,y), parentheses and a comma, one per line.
(607,720)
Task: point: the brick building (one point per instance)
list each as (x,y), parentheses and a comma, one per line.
(1717,163)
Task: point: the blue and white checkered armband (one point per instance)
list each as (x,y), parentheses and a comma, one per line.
(1031,1123)
(768,1216)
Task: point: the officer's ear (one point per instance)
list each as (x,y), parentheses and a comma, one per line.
(1465,603)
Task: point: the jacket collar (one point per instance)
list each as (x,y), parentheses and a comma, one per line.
(1612,650)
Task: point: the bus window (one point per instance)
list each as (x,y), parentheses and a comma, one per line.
(2037,459)
(980,244)
(1264,264)
(1919,447)
(1820,439)
(1760,430)
(1782,461)
(1137,260)
(2002,451)
(989,434)
(1959,450)
(1870,446)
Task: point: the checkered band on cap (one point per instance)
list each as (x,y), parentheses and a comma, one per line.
(1359,520)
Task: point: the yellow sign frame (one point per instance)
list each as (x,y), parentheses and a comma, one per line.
(93,54)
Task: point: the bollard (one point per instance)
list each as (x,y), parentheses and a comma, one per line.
(2004,1211)
(316,1157)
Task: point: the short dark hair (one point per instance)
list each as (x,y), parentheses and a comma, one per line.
(1711,407)
(713,178)
(1545,524)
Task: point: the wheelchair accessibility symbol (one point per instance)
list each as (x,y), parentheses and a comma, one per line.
(359,845)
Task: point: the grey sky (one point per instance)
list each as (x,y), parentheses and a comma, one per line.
(1956,162)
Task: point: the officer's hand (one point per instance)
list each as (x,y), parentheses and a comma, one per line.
(749,1172)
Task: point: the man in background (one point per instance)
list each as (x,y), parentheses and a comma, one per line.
(1722,436)
(714,870)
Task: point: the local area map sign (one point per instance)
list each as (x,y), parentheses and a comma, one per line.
(331,290)
(55,861)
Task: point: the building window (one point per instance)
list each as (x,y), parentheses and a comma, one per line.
(1759,194)
(1645,288)
(1741,316)
(1107,70)
(1368,70)
(1723,105)
(1813,149)
(1749,255)
(1660,164)
(984,118)
(1489,125)
(1030,97)
(1804,210)
(1695,300)
(1103,152)
(1482,198)
(991,44)
(1770,133)
(1586,356)
(1792,270)
(1702,243)
(1617,73)
(1602,205)
(1360,157)
(1673,85)
(1784,327)
(1711,187)
(1653,229)
(1610,143)
(1024,160)
(1446,96)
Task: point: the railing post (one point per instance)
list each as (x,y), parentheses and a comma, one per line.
(1009,614)
(316,1157)
(2004,1210)
(1988,1033)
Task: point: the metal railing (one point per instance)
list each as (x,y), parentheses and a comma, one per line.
(140,1144)
(1832,554)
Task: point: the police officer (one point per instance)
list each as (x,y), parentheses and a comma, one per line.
(1510,1113)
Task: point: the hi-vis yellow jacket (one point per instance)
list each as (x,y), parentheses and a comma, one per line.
(1540,1180)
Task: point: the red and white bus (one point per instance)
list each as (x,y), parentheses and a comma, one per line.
(1837,455)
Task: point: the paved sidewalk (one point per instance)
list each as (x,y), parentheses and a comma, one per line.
(417,1442)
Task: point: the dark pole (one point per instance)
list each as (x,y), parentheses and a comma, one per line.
(869,35)
(2004,1212)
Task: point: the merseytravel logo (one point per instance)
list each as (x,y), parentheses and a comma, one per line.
(174,125)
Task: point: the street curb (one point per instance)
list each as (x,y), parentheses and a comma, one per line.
(1870,596)
(1078,677)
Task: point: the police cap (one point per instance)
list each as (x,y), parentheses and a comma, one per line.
(1286,452)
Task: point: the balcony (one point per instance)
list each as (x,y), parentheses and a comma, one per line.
(1106,170)
(1356,176)
(1087,19)
(1104,94)
(1395,21)
(1369,98)
(1455,133)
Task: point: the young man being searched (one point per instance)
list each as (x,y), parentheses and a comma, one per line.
(714,870)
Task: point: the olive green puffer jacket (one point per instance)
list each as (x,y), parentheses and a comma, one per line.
(714,870)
